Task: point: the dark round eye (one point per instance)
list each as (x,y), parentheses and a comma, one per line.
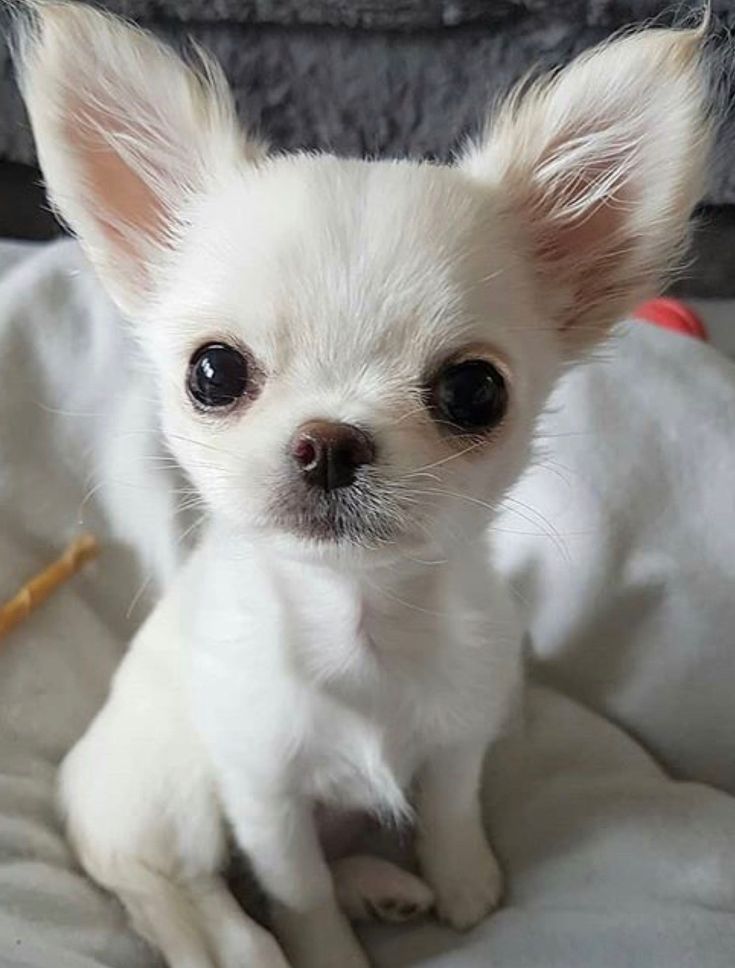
(218,375)
(471,395)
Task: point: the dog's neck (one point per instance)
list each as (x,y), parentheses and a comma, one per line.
(409,576)
(354,616)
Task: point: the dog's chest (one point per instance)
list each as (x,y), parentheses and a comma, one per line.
(377,698)
(362,743)
(355,759)
(341,693)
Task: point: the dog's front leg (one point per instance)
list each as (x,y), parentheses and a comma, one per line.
(455,856)
(279,836)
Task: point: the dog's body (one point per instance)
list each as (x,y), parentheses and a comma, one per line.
(341,711)
(350,358)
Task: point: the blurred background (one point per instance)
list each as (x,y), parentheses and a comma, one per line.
(385,78)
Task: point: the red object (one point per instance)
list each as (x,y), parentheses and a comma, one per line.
(672,314)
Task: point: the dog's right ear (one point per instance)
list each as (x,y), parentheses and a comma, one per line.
(127,136)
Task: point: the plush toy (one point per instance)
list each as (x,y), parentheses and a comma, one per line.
(41,586)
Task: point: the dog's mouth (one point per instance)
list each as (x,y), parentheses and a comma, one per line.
(357,515)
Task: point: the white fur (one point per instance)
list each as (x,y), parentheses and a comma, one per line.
(279,672)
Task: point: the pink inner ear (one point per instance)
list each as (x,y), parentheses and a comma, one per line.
(126,209)
(579,234)
(580,238)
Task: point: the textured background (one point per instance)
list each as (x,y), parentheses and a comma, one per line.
(387,77)
(372,77)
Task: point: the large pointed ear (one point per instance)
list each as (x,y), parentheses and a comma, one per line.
(127,135)
(601,165)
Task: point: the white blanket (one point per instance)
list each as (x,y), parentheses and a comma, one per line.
(625,563)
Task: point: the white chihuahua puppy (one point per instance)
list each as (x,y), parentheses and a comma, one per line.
(350,358)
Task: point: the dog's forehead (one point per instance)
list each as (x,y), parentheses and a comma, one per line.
(327,256)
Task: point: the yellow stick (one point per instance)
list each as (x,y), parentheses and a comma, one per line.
(41,586)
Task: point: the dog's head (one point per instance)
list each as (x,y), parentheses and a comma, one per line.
(354,353)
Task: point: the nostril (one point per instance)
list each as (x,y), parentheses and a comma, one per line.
(305,453)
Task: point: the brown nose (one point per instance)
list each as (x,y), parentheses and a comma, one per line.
(329,454)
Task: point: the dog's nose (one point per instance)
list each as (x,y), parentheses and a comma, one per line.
(328,454)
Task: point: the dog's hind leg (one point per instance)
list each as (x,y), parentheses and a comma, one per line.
(194,923)
(141,810)
(163,912)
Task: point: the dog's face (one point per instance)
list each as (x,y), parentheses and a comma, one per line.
(353,354)
(338,360)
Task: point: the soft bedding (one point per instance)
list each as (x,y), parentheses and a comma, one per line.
(612,802)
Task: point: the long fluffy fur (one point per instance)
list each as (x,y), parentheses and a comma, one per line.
(607,140)
(170,126)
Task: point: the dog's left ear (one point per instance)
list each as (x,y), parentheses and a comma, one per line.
(599,168)
(127,136)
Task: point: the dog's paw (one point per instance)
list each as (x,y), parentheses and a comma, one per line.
(397,910)
(467,888)
(370,888)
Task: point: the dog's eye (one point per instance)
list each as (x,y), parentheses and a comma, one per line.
(218,375)
(470,395)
